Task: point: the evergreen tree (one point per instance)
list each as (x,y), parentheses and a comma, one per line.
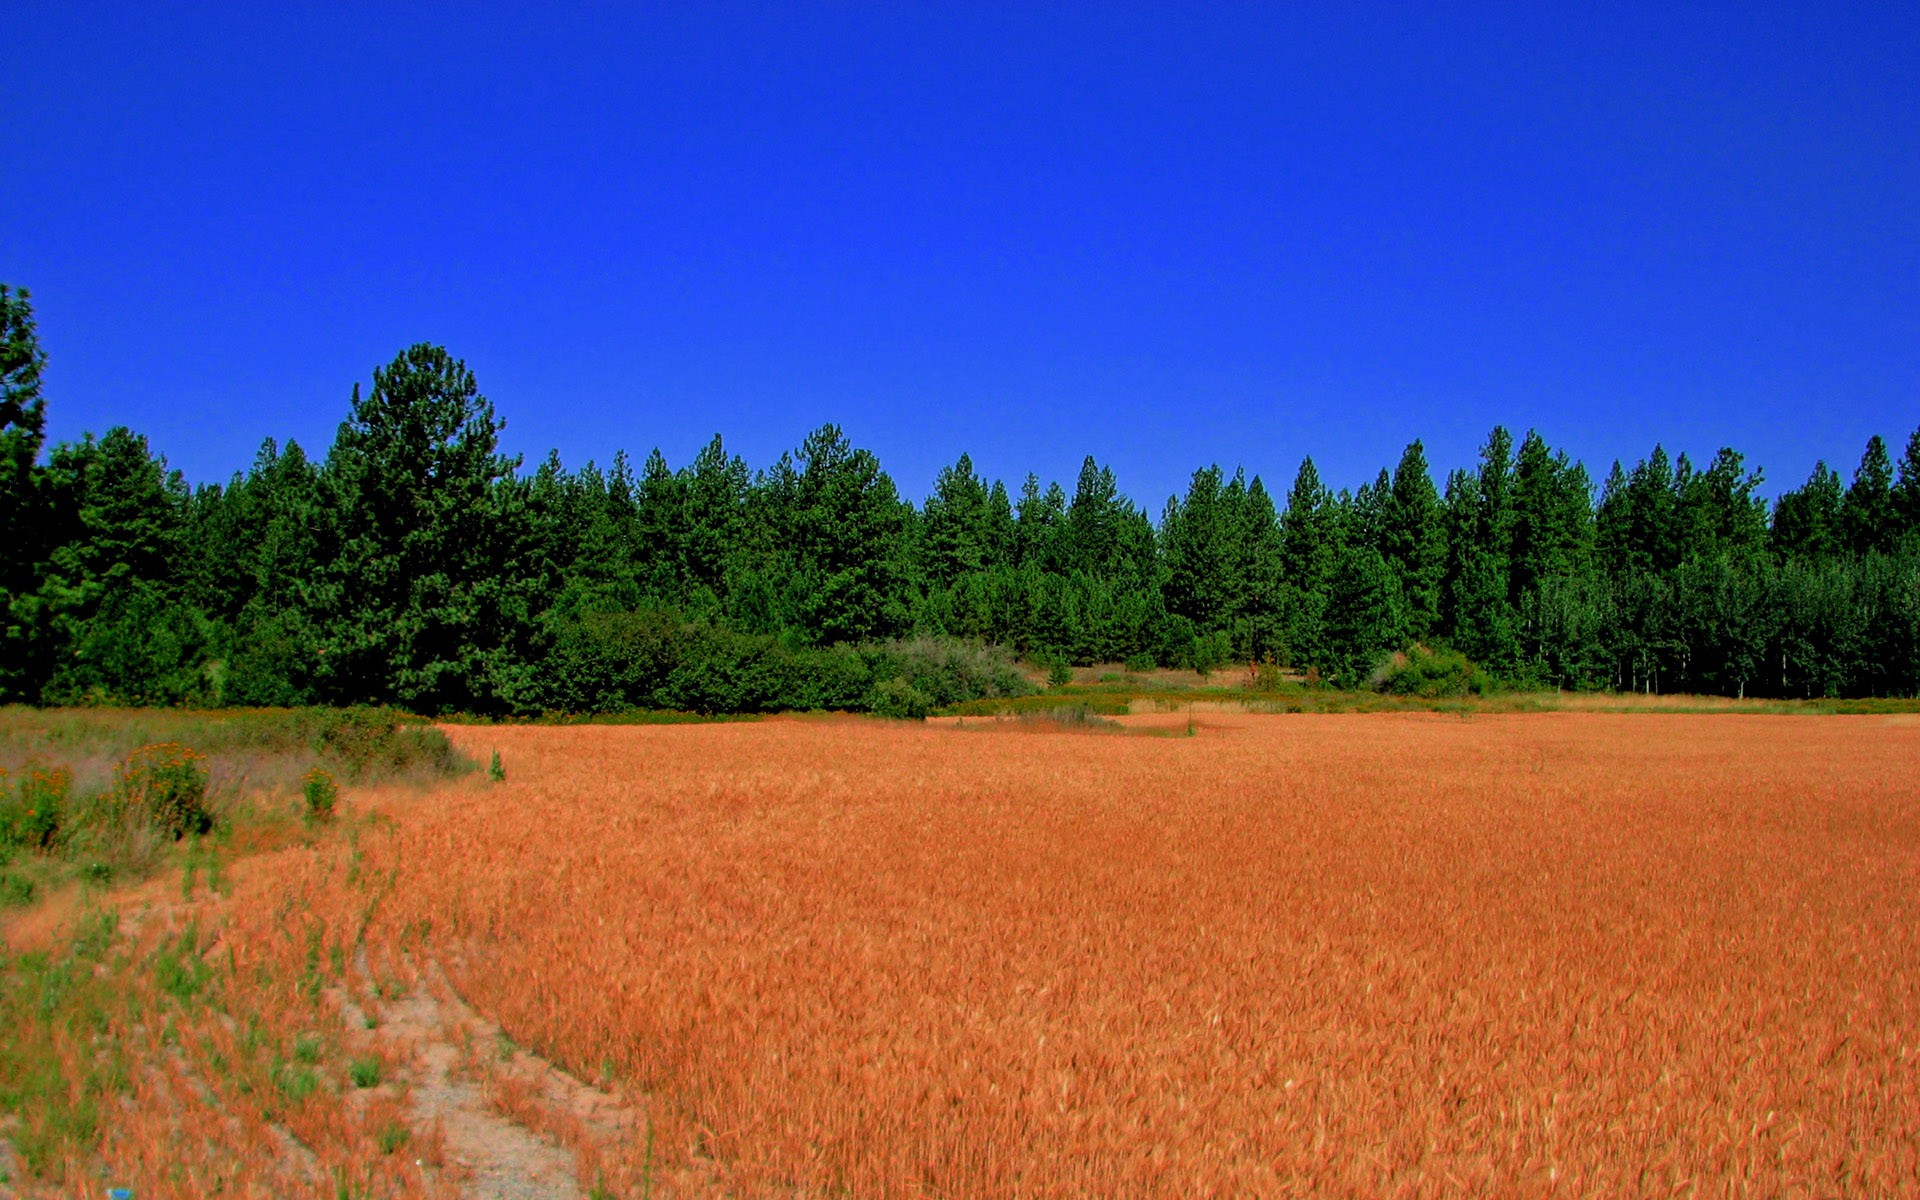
(110,585)
(1719,509)
(720,538)
(1414,541)
(22,515)
(1309,547)
(839,520)
(1480,516)
(1366,614)
(1906,493)
(662,541)
(422,607)
(1040,534)
(1552,518)
(1807,521)
(1638,526)
(1097,540)
(958,529)
(1867,519)
(275,640)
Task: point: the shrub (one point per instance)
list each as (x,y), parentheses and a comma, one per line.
(1059,674)
(1210,650)
(321,793)
(496,770)
(1430,674)
(899,699)
(34,817)
(167,782)
(948,671)
(370,741)
(1141,662)
(1267,675)
(1078,716)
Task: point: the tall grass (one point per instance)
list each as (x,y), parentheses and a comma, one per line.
(104,794)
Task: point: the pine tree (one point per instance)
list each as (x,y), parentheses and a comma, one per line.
(1193,552)
(956,524)
(718,492)
(1553,518)
(1719,510)
(275,639)
(1309,546)
(422,608)
(1095,539)
(1867,521)
(839,524)
(112,577)
(1906,494)
(1480,520)
(1807,521)
(22,519)
(1414,541)
(1040,527)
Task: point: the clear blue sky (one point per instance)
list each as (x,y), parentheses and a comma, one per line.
(1164,235)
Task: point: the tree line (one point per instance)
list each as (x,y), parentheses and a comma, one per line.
(416,564)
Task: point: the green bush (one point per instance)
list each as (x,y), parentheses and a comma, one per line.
(1430,674)
(901,700)
(1140,662)
(167,782)
(34,815)
(1210,650)
(321,794)
(370,742)
(947,671)
(1059,674)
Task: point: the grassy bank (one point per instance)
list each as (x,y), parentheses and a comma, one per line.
(108,797)
(1116,694)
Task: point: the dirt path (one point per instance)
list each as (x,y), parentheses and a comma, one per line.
(459,1067)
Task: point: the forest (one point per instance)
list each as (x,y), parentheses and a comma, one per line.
(415,564)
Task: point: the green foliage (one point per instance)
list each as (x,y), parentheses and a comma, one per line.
(180,970)
(365,1072)
(1430,674)
(1209,651)
(496,771)
(418,566)
(1071,716)
(16,891)
(35,812)
(167,783)
(370,742)
(946,671)
(53,1116)
(321,795)
(901,700)
(24,542)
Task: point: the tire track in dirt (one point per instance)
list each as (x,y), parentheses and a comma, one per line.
(453,1096)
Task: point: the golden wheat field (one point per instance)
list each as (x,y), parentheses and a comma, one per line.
(1569,954)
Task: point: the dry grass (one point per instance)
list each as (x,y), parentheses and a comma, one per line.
(1398,954)
(1366,955)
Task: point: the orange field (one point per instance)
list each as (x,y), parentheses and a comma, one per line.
(1366,955)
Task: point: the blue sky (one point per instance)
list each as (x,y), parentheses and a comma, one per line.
(1164,235)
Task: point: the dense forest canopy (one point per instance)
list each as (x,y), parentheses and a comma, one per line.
(416,564)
